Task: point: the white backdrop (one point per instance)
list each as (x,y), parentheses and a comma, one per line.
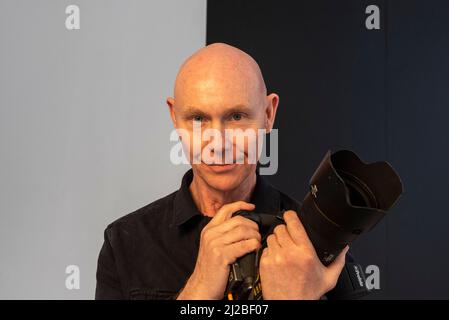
(84,129)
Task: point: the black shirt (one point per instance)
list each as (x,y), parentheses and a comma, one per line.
(150,253)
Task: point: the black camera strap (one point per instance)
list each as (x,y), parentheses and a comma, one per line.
(351,284)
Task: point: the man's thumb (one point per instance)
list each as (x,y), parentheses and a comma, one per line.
(337,265)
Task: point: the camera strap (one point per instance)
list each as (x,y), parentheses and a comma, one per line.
(351,284)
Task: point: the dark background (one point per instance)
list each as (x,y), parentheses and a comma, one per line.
(382,93)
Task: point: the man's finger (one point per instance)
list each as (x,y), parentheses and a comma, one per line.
(296,229)
(283,236)
(226,211)
(238,249)
(265,254)
(239,234)
(236,221)
(334,269)
(272,243)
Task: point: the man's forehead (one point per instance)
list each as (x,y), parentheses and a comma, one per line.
(219,72)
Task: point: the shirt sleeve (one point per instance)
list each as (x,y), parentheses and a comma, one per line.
(108,284)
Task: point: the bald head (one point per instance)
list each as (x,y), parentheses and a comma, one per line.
(221,87)
(220,69)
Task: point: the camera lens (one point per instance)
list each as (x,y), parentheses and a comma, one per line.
(347,197)
(360,195)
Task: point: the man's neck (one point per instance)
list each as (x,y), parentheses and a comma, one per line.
(209,200)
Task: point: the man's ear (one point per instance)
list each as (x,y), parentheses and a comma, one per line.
(270,111)
(171,106)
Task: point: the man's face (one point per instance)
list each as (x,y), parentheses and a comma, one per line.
(222,118)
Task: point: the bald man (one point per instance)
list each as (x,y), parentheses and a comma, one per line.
(181,246)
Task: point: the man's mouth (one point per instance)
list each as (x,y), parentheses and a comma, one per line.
(220,167)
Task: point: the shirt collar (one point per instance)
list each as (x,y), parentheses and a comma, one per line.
(265,197)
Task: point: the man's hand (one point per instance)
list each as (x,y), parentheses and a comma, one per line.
(223,240)
(290,268)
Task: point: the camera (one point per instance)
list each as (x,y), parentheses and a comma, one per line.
(347,197)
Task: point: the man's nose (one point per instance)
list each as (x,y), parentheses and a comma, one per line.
(218,124)
(219,127)
(221,141)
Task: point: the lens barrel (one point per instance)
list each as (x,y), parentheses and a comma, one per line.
(347,197)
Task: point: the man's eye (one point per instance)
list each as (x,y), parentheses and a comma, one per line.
(197,118)
(236,116)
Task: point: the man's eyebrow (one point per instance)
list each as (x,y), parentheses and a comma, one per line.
(193,110)
(234,109)
(239,108)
